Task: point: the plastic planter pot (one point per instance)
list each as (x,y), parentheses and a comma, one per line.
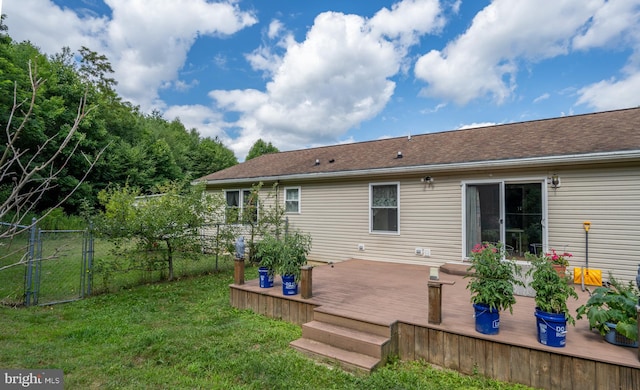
(552,328)
(487,319)
(289,285)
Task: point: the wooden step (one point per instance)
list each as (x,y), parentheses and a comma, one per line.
(455,268)
(345,338)
(343,319)
(348,360)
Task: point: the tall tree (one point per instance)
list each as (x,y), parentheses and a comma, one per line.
(28,174)
(259,148)
(211,156)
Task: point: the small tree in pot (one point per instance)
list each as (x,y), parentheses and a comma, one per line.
(295,248)
(552,293)
(492,285)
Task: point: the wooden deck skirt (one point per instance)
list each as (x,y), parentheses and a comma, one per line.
(395,295)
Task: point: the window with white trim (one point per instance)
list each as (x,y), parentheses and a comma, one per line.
(292,199)
(242,206)
(384,202)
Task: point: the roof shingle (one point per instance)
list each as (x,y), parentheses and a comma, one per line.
(611,131)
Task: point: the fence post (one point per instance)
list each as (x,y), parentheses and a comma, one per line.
(28,282)
(87,262)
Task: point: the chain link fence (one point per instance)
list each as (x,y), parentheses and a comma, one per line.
(39,267)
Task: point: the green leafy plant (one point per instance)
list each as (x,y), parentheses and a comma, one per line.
(286,254)
(268,252)
(552,290)
(616,305)
(492,277)
(295,250)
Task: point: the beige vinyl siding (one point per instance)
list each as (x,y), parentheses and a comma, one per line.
(336,214)
(608,197)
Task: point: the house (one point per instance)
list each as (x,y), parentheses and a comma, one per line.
(428,199)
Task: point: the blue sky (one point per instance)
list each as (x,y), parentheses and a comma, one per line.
(309,73)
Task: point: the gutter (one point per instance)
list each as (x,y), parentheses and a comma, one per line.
(574,159)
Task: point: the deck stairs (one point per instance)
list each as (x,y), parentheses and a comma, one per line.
(354,345)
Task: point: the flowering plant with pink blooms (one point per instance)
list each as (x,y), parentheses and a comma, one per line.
(492,277)
(558,259)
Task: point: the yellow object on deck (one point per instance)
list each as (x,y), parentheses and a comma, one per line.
(592,277)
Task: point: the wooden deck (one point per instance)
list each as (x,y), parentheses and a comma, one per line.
(395,295)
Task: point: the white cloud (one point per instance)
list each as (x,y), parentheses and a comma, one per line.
(208,122)
(542,97)
(408,20)
(615,21)
(335,79)
(484,60)
(612,94)
(267,58)
(616,25)
(146,41)
(49,36)
(274,28)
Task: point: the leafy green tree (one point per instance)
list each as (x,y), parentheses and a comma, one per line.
(159,225)
(34,157)
(259,148)
(211,156)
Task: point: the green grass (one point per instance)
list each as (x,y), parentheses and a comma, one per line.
(185,335)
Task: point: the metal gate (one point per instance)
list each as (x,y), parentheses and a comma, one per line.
(59,266)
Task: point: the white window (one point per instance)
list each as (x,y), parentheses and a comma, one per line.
(242,206)
(384,202)
(292,199)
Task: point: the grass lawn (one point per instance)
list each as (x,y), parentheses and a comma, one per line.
(185,335)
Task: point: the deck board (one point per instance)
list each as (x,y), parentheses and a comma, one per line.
(387,293)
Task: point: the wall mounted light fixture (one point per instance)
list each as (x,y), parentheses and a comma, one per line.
(555,180)
(427,179)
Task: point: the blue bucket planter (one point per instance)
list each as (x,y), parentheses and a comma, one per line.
(266,277)
(487,319)
(552,328)
(289,285)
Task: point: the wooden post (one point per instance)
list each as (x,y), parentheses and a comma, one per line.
(238,271)
(306,281)
(435,301)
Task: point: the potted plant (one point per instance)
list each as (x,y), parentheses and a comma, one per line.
(492,285)
(612,311)
(552,293)
(294,249)
(267,253)
(559,261)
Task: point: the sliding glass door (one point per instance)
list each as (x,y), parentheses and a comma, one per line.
(508,212)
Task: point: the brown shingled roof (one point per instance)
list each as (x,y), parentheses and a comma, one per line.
(611,131)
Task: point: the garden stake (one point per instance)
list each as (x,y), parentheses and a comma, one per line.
(586,225)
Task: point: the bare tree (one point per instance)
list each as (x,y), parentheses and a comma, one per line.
(29,174)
